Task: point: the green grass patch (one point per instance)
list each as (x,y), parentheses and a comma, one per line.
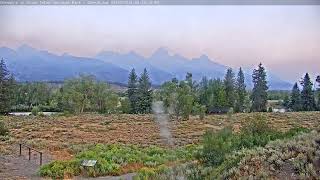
(113,159)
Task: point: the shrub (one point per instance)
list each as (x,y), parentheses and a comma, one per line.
(111,159)
(3,129)
(35,110)
(254,133)
(298,154)
(215,146)
(60,169)
(255,126)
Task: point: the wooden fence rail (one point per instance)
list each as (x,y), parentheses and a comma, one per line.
(29,151)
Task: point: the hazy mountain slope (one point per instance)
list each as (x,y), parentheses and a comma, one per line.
(29,64)
(179,65)
(133,60)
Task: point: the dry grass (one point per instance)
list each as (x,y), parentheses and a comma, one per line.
(61,136)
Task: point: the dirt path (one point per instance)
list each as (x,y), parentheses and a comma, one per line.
(19,167)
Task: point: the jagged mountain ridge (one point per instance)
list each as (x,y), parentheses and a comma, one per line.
(30,64)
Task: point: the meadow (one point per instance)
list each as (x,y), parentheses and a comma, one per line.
(121,140)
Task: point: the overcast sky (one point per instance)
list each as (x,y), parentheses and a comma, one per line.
(286,39)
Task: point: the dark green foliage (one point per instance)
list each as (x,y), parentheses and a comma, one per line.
(202,112)
(35,111)
(133,91)
(6,88)
(178,98)
(61,169)
(33,94)
(111,158)
(259,94)
(255,132)
(286,102)
(85,93)
(229,87)
(144,94)
(203,91)
(77,93)
(216,146)
(295,99)
(307,95)
(241,92)
(278,94)
(189,80)
(169,94)
(216,96)
(125,105)
(185,100)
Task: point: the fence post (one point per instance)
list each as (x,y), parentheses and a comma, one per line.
(20,145)
(40,158)
(29,153)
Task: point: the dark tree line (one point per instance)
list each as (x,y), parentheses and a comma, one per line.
(7,83)
(181,98)
(308,99)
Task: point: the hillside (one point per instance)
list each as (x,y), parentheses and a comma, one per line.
(30,64)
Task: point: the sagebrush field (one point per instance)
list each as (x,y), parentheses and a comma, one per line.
(64,137)
(64,134)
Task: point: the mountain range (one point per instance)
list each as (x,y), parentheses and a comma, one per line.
(30,64)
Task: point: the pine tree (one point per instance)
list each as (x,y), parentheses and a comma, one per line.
(241,92)
(144,93)
(189,79)
(307,95)
(295,98)
(6,83)
(133,91)
(229,87)
(318,91)
(259,93)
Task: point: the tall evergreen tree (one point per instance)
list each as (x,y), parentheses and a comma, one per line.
(259,94)
(6,83)
(307,95)
(203,91)
(133,91)
(229,87)
(189,79)
(241,92)
(144,93)
(295,99)
(318,91)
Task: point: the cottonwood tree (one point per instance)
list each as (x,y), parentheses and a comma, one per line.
(168,94)
(241,92)
(259,94)
(185,100)
(6,88)
(77,93)
(295,98)
(307,95)
(104,100)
